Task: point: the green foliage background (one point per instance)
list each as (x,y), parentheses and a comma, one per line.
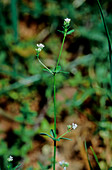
(23,24)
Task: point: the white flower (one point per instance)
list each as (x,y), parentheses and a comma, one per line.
(10,159)
(64,164)
(41,46)
(38,50)
(61,163)
(67,20)
(74,126)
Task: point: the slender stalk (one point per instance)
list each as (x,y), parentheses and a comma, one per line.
(44,66)
(64,134)
(54,161)
(61,47)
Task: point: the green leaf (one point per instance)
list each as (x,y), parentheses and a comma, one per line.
(18,166)
(19,118)
(66,139)
(61,31)
(47,70)
(88,157)
(108,38)
(58,139)
(58,68)
(95,157)
(52,133)
(69,32)
(46,135)
(64,72)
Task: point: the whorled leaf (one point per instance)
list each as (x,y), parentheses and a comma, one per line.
(46,135)
(52,133)
(71,31)
(66,139)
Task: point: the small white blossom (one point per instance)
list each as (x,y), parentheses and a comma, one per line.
(67,20)
(64,164)
(74,126)
(38,50)
(41,46)
(61,163)
(10,159)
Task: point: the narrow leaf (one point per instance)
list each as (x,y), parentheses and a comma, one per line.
(18,166)
(95,157)
(58,68)
(61,31)
(66,139)
(64,72)
(57,139)
(46,70)
(108,38)
(46,135)
(88,157)
(71,31)
(52,133)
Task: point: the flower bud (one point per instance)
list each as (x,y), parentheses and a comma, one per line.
(69,127)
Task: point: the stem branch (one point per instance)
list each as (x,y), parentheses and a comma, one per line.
(44,66)
(61,47)
(64,134)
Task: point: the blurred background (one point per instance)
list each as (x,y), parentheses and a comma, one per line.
(26,91)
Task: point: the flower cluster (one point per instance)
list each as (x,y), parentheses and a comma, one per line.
(72,127)
(67,22)
(40,47)
(64,164)
(10,159)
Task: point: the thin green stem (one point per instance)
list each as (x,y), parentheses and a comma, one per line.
(64,133)
(54,161)
(54,121)
(62,46)
(44,66)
